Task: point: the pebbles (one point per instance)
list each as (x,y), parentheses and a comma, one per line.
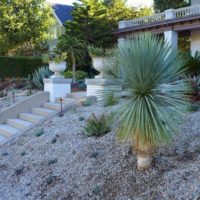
(65,164)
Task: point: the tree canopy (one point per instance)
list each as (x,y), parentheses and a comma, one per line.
(160,5)
(94,20)
(24,21)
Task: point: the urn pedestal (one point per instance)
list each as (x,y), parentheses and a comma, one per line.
(57,87)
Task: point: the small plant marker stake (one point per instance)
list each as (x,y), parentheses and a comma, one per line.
(61,110)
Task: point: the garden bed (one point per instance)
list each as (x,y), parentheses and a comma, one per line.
(65,164)
(19,94)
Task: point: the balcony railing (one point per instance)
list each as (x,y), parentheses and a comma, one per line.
(168,14)
(191,10)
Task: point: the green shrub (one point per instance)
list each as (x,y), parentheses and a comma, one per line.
(81,84)
(97,126)
(38,76)
(193,63)
(18,66)
(96,51)
(79,74)
(110,100)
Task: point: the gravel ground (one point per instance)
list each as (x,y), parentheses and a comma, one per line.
(64,164)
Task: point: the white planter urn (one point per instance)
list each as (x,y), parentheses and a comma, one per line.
(57,68)
(100,64)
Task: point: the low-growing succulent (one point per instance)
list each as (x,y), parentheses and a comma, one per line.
(87,103)
(23,153)
(19,170)
(97,126)
(39,132)
(81,118)
(5,153)
(110,100)
(49,179)
(94,154)
(96,190)
(52,161)
(54,140)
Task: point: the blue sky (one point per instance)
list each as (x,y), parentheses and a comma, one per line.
(130,2)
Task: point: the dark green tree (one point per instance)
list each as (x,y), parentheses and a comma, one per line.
(94,21)
(160,5)
(90,23)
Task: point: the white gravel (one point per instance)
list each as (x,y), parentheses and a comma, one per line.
(90,168)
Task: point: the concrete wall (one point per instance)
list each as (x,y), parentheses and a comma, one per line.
(195,2)
(24,106)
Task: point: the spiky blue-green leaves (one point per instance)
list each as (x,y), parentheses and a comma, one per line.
(151,72)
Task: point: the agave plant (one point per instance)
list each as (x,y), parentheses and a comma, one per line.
(39,75)
(158,96)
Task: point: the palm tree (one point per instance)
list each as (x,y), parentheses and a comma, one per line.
(74,47)
(158,96)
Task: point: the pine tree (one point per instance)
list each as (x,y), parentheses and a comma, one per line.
(90,23)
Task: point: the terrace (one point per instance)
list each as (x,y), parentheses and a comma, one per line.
(184,21)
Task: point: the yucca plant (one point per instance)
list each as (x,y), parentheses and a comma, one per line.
(152,72)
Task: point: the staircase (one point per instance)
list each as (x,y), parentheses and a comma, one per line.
(25,121)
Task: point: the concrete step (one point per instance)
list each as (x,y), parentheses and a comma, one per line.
(8,131)
(18,123)
(2,138)
(42,111)
(52,106)
(67,100)
(31,117)
(77,95)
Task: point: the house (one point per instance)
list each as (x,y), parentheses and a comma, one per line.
(171,24)
(62,13)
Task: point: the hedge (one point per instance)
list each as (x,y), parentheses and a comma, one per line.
(18,66)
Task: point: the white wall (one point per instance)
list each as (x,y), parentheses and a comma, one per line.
(195,2)
(195,41)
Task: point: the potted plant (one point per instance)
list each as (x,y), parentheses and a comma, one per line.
(99,60)
(57,63)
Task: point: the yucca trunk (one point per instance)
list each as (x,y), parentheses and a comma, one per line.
(144,151)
